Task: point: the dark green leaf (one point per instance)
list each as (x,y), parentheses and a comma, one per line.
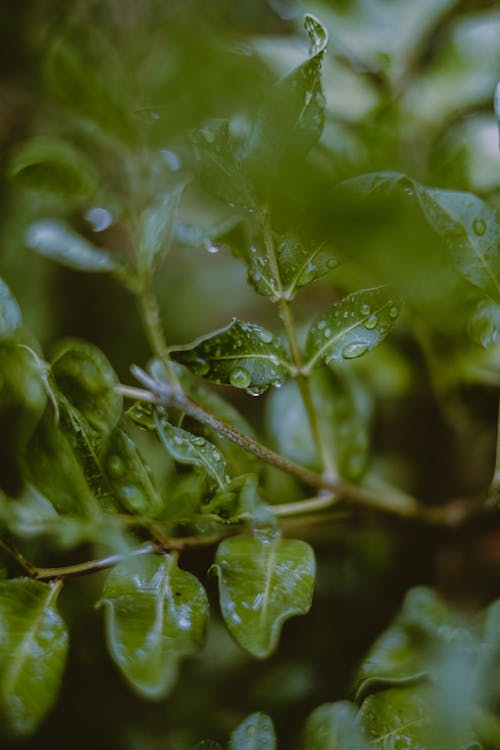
(255,733)
(244,355)
(156,616)
(335,726)
(352,326)
(262,583)
(54,239)
(10,314)
(50,165)
(238,497)
(156,228)
(33,646)
(186,448)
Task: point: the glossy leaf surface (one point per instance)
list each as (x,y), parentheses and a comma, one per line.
(243,355)
(156,228)
(484,323)
(55,240)
(33,646)
(256,732)
(352,326)
(335,726)
(262,583)
(156,616)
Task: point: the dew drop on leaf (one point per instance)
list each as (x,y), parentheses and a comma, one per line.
(365,309)
(212,249)
(393,312)
(240,378)
(256,390)
(479,227)
(371,322)
(354,350)
(265,336)
(99,218)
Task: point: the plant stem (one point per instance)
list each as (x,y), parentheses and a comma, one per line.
(312,504)
(91,566)
(28,567)
(301,377)
(150,315)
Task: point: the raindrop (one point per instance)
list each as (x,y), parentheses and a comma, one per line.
(256,390)
(265,336)
(100,218)
(198,440)
(201,367)
(365,309)
(479,227)
(171,159)
(213,249)
(393,312)
(322,324)
(371,322)
(354,350)
(332,263)
(328,332)
(240,378)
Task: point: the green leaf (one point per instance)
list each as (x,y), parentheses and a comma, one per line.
(129,477)
(33,646)
(335,726)
(256,732)
(262,583)
(219,169)
(156,228)
(208,745)
(237,497)
(351,327)
(291,120)
(243,355)
(50,165)
(194,450)
(156,616)
(55,240)
(10,314)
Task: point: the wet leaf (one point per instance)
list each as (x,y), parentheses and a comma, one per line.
(335,726)
(156,228)
(10,314)
(156,616)
(33,646)
(256,732)
(262,583)
(243,355)
(352,326)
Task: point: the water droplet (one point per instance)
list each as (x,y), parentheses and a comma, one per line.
(328,333)
(171,159)
(116,466)
(332,263)
(346,314)
(365,309)
(407,186)
(240,378)
(100,218)
(371,322)
(198,440)
(393,312)
(265,336)
(277,384)
(354,350)
(479,227)
(256,390)
(213,249)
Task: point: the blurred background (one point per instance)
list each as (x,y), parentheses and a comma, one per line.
(409,88)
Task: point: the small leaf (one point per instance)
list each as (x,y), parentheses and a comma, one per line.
(352,326)
(237,497)
(55,240)
(256,732)
(156,616)
(398,717)
(33,646)
(186,448)
(156,228)
(335,726)
(50,165)
(10,314)
(244,355)
(262,583)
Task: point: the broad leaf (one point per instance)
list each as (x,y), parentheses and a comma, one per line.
(244,355)
(156,228)
(33,646)
(352,326)
(10,314)
(53,166)
(156,615)
(262,583)
(255,733)
(335,726)
(194,450)
(54,239)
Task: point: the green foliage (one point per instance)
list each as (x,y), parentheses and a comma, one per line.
(256,731)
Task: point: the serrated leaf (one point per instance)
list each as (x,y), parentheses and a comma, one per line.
(53,166)
(335,726)
(219,167)
(194,450)
(256,732)
(156,616)
(55,240)
(262,583)
(351,327)
(10,314)
(156,227)
(244,355)
(33,646)
(129,477)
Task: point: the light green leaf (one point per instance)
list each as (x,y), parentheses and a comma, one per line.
(335,726)
(186,448)
(255,733)
(53,166)
(352,326)
(244,355)
(156,616)
(54,239)
(10,314)
(156,227)
(33,646)
(262,583)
